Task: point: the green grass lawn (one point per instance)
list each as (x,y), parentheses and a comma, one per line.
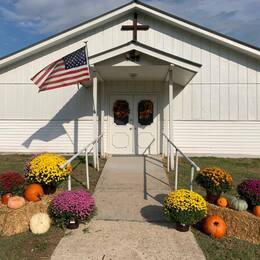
(34,247)
(225,248)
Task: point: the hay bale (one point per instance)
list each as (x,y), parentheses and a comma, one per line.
(17,221)
(241,224)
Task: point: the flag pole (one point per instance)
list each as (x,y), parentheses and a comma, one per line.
(95,122)
(86,52)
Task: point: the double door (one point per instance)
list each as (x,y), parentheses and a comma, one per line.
(133,124)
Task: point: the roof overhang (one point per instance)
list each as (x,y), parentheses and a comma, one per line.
(112,65)
(152,52)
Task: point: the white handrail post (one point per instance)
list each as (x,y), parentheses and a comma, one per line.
(168,156)
(94,157)
(97,155)
(176,169)
(191,178)
(69,182)
(193,165)
(102,120)
(171,114)
(95,128)
(164,146)
(87,169)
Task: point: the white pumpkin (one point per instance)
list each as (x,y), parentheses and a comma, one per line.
(40,223)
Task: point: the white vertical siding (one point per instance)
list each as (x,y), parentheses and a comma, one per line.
(217,112)
(224,97)
(223,89)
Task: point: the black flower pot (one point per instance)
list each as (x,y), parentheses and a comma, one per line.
(49,188)
(72,223)
(182,227)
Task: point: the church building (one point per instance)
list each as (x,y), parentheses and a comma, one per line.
(152,75)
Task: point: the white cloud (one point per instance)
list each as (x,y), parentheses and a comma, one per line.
(239,18)
(55,15)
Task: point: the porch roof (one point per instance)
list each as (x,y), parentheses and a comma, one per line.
(153,65)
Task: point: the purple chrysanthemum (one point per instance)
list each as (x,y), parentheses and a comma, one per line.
(250,191)
(78,204)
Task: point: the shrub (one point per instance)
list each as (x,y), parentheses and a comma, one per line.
(250,191)
(215,180)
(68,204)
(45,169)
(185,207)
(11,182)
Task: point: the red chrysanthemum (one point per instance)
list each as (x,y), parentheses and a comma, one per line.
(11,182)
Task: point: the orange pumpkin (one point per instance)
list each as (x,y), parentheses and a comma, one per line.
(222,202)
(214,226)
(256,211)
(16,202)
(33,192)
(5,197)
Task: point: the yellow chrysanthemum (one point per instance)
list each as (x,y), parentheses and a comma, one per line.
(185,200)
(45,169)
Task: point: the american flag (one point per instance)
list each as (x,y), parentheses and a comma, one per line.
(67,71)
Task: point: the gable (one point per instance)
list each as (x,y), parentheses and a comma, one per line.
(129,8)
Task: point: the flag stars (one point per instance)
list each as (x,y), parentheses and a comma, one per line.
(75,59)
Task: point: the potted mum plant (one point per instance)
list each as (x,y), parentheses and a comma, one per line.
(215,181)
(69,208)
(185,208)
(249,190)
(11,183)
(45,169)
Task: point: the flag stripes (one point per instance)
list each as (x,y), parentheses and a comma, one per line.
(69,70)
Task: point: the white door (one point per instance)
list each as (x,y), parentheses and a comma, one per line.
(121,124)
(133,124)
(145,124)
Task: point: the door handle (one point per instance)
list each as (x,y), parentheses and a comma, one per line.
(130,128)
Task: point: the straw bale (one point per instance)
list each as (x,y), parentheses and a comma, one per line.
(240,224)
(17,221)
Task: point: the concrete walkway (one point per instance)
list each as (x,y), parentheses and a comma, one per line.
(129,223)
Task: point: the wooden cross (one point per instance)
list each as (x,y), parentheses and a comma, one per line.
(135,27)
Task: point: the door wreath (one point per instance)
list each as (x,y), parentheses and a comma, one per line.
(145,112)
(121,112)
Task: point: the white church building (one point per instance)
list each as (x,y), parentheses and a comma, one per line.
(151,73)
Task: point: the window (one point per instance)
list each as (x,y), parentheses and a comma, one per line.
(145,112)
(121,112)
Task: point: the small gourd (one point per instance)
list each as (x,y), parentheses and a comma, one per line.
(15,202)
(256,211)
(238,204)
(222,202)
(40,223)
(230,198)
(5,197)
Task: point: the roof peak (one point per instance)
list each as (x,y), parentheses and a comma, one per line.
(143,7)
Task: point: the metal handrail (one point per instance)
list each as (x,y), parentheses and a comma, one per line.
(149,147)
(171,163)
(93,146)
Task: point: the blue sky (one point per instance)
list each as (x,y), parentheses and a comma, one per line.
(24,22)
